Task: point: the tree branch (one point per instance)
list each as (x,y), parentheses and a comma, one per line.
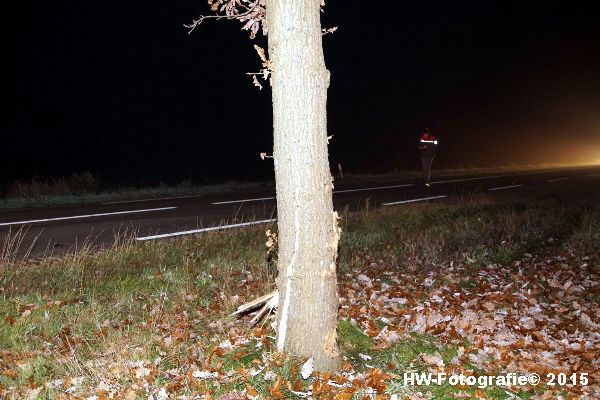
(198,21)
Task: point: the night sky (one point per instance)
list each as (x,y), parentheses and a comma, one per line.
(121,90)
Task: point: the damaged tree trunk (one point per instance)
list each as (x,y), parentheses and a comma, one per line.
(307,224)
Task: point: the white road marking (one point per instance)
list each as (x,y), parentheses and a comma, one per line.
(414,200)
(154,199)
(243,201)
(366,189)
(373,188)
(212,228)
(33,221)
(558,179)
(506,187)
(334,192)
(469,179)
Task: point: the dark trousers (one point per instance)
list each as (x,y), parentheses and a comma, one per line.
(426,161)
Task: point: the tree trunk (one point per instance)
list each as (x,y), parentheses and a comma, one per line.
(308,229)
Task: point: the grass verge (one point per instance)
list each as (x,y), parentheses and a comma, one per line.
(40,198)
(478,289)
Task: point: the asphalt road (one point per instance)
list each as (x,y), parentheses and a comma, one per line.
(53,231)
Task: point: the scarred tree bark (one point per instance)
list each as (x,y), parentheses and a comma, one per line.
(307,225)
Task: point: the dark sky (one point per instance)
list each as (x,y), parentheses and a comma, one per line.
(120,88)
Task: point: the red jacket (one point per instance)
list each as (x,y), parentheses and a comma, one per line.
(427,140)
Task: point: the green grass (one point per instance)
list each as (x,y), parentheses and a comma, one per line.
(42,195)
(587,238)
(114,294)
(352,340)
(484,233)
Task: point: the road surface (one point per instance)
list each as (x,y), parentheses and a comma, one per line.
(53,231)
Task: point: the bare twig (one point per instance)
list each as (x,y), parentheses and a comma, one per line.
(200,19)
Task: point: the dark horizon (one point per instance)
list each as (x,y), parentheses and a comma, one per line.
(122,90)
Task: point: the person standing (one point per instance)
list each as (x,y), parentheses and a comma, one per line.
(427,144)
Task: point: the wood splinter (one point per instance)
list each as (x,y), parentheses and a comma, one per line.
(270,301)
